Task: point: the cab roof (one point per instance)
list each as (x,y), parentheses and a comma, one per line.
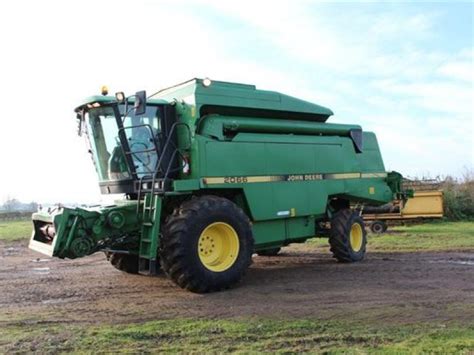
(108,99)
(231,99)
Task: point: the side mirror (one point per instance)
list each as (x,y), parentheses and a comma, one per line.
(140,103)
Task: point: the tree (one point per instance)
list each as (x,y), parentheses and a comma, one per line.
(11,204)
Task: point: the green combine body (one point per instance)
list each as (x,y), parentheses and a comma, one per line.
(213,172)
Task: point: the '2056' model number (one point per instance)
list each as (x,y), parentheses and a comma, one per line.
(235,179)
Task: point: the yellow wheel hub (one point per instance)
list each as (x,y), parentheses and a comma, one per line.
(356,237)
(218,246)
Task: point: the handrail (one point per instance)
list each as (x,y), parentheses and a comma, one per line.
(161,161)
(165,147)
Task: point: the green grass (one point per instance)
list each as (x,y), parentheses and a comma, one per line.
(243,335)
(437,236)
(15,230)
(434,236)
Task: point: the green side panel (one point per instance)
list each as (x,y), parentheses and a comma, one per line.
(370,162)
(276,157)
(293,156)
(371,159)
(289,196)
(260,201)
(300,227)
(228,158)
(186,185)
(283,231)
(369,190)
(269,233)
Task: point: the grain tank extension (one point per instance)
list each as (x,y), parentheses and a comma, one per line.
(213,172)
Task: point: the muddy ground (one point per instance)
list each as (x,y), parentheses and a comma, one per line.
(303,282)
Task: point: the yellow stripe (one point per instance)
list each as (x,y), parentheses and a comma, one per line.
(213,180)
(342,176)
(373,175)
(288,178)
(262,178)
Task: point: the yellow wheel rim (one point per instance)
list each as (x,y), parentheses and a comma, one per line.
(218,246)
(356,237)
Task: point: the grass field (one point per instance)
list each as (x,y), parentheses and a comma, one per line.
(439,236)
(247,336)
(434,236)
(15,230)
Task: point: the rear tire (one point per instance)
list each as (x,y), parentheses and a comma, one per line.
(348,237)
(124,262)
(206,244)
(269,252)
(378,227)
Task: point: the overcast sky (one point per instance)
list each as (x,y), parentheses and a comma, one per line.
(403,70)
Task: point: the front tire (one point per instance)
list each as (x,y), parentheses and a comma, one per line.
(206,244)
(348,238)
(124,262)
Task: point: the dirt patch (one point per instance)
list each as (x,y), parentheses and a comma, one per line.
(300,283)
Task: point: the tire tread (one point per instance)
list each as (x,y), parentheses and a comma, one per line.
(173,250)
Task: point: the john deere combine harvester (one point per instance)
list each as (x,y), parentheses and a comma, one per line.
(213,172)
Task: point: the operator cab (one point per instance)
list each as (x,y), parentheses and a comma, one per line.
(132,142)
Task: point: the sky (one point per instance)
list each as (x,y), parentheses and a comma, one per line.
(403,70)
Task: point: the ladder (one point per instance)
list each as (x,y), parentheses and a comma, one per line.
(147,256)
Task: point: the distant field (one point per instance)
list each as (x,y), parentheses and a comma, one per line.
(433,236)
(15,230)
(436,236)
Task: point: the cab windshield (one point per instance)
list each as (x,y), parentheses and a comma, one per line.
(142,135)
